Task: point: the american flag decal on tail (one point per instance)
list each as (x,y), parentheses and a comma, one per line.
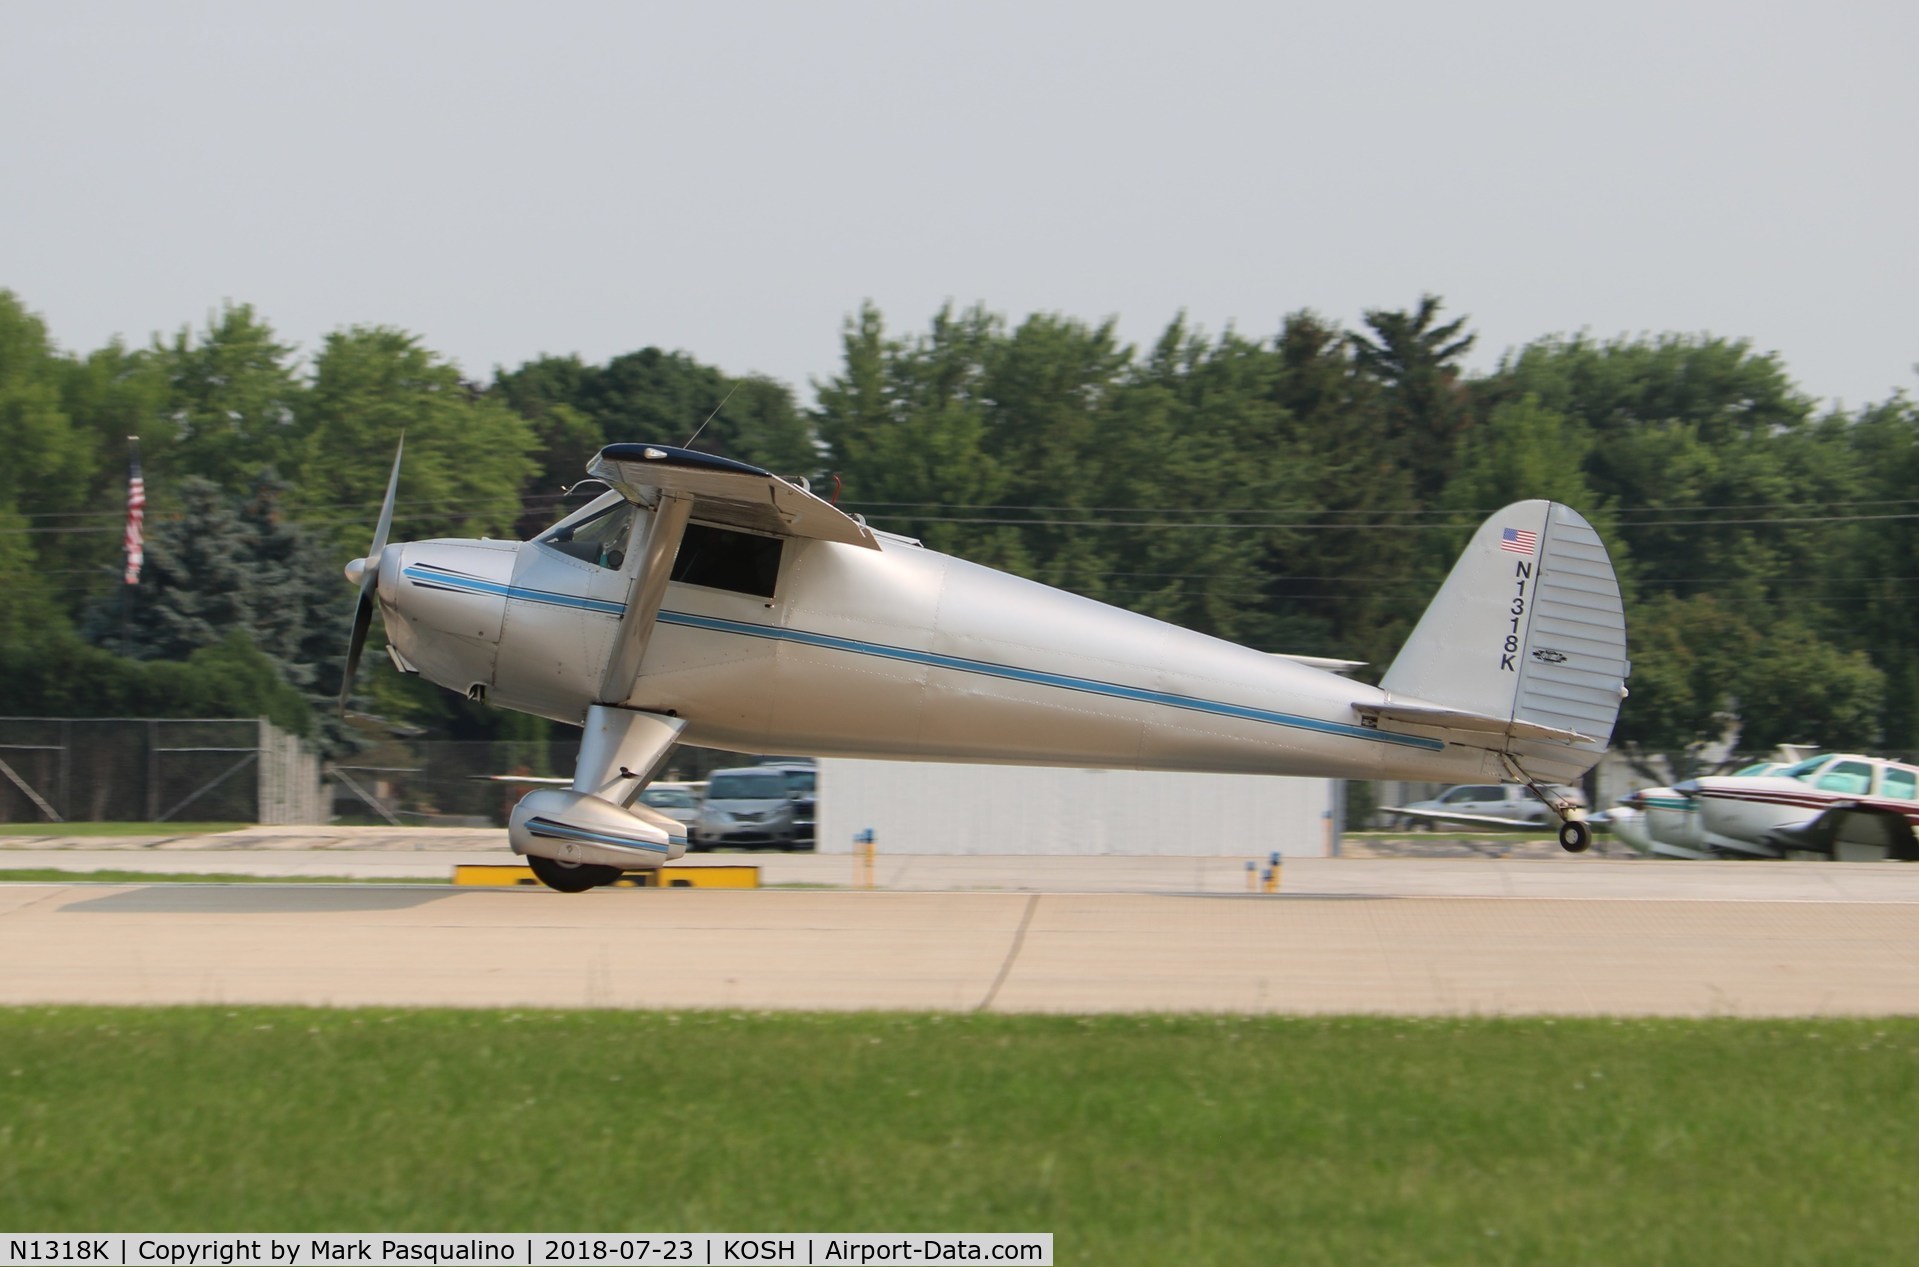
(1518,541)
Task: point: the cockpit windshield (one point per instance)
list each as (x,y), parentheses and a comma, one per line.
(596,533)
(1805,769)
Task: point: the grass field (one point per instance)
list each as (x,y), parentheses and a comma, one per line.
(1134,1140)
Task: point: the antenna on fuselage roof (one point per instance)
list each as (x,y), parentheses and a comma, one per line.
(710,417)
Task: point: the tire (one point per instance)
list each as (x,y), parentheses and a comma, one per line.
(570,877)
(1575,836)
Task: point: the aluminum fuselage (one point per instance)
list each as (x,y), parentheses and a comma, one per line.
(900,652)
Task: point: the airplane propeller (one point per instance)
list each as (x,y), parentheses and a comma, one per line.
(367,573)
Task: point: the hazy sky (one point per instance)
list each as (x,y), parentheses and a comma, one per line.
(507,180)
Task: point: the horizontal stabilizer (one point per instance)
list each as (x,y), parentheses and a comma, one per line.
(1326,663)
(731,494)
(1484,723)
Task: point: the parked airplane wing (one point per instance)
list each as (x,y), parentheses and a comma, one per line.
(1469,820)
(731,494)
(1847,828)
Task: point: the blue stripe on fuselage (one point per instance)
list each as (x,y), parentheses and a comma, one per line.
(958,664)
(473,584)
(1091,686)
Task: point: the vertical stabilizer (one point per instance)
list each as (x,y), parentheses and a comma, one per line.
(1527,630)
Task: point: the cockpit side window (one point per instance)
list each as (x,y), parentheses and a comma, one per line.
(1849,778)
(721,558)
(599,539)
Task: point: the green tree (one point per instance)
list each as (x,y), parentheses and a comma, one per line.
(233,401)
(109,395)
(1799,688)
(1427,407)
(546,392)
(1197,441)
(575,409)
(64,677)
(1701,669)
(47,460)
(1693,440)
(905,430)
(653,395)
(1355,582)
(1864,579)
(224,565)
(1521,451)
(467,454)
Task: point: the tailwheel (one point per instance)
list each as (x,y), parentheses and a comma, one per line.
(1575,835)
(570,877)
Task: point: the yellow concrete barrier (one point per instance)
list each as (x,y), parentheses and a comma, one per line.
(512,874)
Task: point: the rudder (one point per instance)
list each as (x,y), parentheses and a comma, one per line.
(1525,643)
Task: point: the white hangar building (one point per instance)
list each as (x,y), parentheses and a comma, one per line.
(916,807)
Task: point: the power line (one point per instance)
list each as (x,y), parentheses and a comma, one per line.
(1426,513)
(1047,513)
(1304,526)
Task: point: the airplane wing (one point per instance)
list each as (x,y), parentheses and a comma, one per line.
(731,494)
(1846,826)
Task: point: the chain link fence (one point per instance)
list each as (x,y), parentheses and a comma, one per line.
(158,770)
(155,770)
(450,783)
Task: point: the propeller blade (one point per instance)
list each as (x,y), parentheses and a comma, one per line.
(369,580)
(386,510)
(362,621)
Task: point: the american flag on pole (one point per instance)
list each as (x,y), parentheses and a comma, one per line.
(1518,540)
(136,517)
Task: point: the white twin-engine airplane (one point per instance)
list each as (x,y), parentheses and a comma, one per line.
(1849,807)
(705,601)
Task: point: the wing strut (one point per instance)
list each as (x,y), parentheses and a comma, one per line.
(663,528)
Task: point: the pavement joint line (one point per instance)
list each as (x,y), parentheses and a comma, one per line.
(1012,954)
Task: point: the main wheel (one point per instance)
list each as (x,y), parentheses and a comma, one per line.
(1575,835)
(570,877)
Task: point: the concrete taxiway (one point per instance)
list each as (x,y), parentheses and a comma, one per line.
(1578,936)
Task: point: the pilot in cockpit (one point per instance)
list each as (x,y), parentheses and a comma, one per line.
(599,538)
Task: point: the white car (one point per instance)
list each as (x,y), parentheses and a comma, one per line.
(1512,802)
(679,801)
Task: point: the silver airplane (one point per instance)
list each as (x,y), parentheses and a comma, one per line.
(704,601)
